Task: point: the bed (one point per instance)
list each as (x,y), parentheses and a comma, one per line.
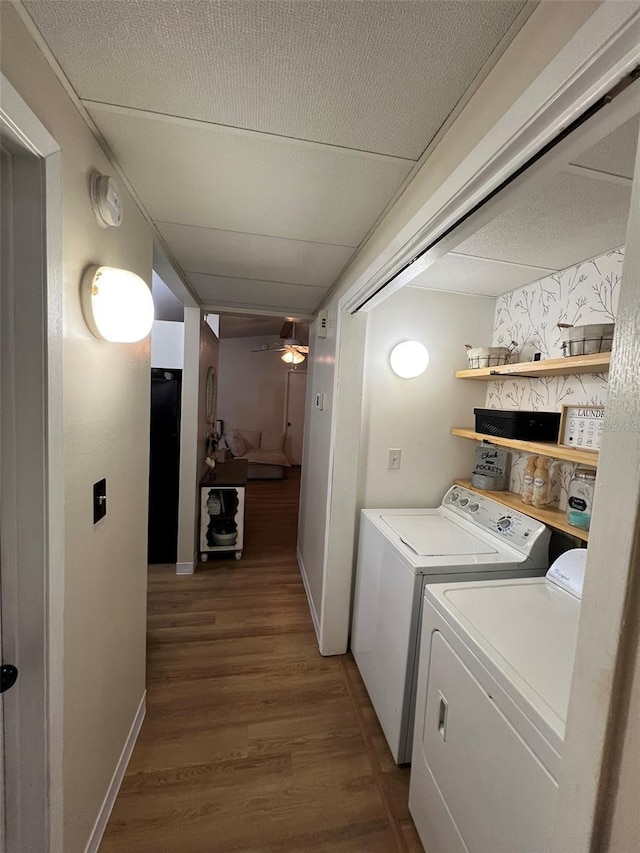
(263,450)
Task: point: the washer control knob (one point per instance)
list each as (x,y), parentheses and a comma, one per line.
(474,507)
(454,496)
(504,523)
(464,501)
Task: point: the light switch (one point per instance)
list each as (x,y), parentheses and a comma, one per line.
(393,458)
(99,500)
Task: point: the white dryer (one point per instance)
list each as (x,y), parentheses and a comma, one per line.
(493,691)
(469,537)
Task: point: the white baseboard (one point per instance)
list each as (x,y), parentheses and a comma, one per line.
(307,589)
(186,568)
(114,786)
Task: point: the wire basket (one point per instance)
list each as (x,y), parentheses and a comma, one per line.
(586,340)
(489,356)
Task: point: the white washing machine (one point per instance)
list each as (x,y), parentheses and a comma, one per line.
(496,660)
(469,537)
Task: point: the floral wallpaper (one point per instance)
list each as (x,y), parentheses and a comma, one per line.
(586,293)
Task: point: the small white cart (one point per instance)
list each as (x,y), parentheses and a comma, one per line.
(222,493)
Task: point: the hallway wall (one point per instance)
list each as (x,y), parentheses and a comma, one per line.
(416,415)
(106,426)
(201,351)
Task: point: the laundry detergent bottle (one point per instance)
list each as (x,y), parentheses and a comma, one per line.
(529,476)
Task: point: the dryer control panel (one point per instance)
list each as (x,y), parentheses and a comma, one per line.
(516,528)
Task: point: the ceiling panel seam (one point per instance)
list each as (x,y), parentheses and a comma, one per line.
(597,174)
(269,310)
(240,131)
(531,267)
(261,280)
(160,222)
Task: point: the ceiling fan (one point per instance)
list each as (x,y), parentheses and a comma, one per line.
(292,350)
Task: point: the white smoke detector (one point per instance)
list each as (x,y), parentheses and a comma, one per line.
(106,200)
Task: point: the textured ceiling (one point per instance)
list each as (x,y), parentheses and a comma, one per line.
(378,76)
(463,274)
(572,217)
(217,177)
(233,326)
(265,138)
(565,220)
(616,154)
(255,256)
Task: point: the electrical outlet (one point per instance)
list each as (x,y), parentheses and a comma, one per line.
(393,458)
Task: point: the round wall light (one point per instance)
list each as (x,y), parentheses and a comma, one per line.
(409,359)
(117,305)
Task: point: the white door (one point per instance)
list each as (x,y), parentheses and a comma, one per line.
(296,392)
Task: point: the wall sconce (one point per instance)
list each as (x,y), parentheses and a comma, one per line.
(117,305)
(409,359)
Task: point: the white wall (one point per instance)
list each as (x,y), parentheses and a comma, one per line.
(167,344)
(252,385)
(106,434)
(542,37)
(416,415)
(201,351)
(314,486)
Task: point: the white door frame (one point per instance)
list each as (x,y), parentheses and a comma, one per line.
(603,52)
(43,465)
(607,638)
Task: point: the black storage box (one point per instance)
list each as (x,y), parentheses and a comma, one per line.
(527,426)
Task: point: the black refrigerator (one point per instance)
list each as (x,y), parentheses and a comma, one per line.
(164,465)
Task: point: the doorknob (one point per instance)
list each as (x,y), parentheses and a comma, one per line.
(8,677)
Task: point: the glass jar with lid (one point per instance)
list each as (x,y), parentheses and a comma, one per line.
(580,498)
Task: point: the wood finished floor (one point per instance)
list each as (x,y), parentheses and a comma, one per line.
(252,740)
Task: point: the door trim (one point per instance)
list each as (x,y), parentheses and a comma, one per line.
(26,126)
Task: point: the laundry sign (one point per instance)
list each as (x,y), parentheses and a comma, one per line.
(582,426)
(491,465)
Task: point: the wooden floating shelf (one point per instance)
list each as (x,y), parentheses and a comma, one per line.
(598,362)
(547,515)
(540,448)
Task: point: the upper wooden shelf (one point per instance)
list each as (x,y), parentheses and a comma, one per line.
(540,448)
(598,362)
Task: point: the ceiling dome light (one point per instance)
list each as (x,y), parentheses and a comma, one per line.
(409,359)
(292,356)
(117,305)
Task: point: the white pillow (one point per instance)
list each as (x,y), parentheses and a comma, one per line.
(236,443)
(251,437)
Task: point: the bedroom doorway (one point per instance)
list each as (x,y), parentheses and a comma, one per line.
(261,385)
